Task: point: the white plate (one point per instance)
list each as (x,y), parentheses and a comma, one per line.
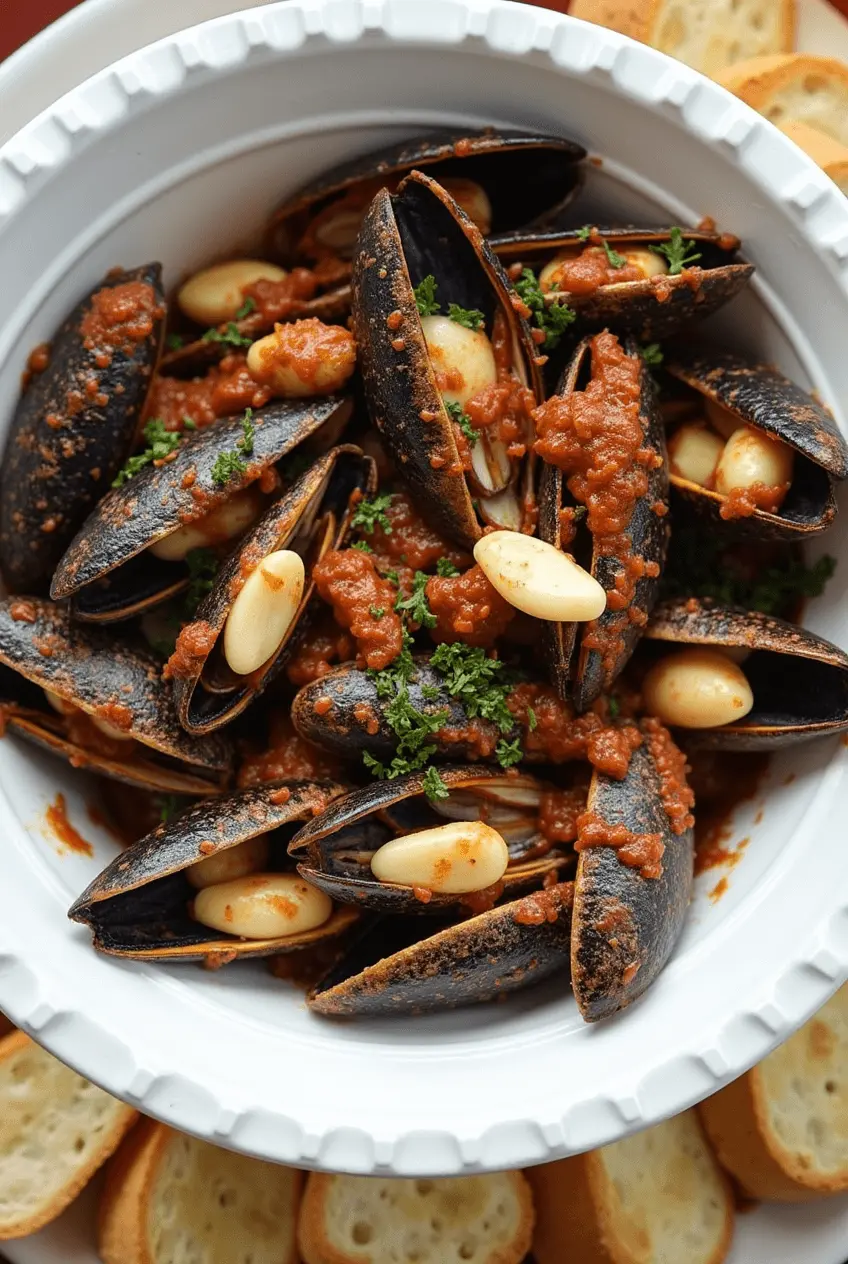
(238,1059)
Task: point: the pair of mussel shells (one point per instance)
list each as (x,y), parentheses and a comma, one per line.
(397,953)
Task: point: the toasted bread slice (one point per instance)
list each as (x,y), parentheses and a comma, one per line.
(372,1219)
(795,86)
(782,1129)
(707,34)
(830,154)
(170,1199)
(56,1130)
(658,1197)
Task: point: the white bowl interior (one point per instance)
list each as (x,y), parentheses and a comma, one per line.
(182,178)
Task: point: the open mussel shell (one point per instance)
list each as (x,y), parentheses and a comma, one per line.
(115,682)
(138,907)
(312,517)
(75,422)
(160,500)
(760,396)
(334,850)
(421,232)
(626,925)
(799,680)
(392,970)
(525,175)
(577,672)
(650,310)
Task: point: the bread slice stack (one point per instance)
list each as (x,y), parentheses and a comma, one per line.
(795,87)
(707,34)
(369,1220)
(56,1130)
(170,1199)
(831,155)
(782,1129)
(658,1197)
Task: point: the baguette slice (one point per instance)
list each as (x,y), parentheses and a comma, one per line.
(372,1220)
(658,1197)
(707,34)
(56,1130)
(782,1129)
(170,1199)
(795,86)
(830,154)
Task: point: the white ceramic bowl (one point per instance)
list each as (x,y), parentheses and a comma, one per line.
(184,147)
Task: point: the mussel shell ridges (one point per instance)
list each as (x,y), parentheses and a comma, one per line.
(625,925)
(160,499)
(60,457)
(391,970)
(799,680)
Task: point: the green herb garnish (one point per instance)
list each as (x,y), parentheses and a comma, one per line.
(363,546)
(456,413)
(584,233)
(679,253)
(249,433)
(376,612)
(174,341)
(652,354)
(229,335)
(412,728)
(433,785)
(248,306)
(187,423)
(372,513)
(532,722)
(228,465)
(445,568)
(553,319)
(614,708)
(416,605)
(161,443)
(470,317)
(170,807)
(614,259)
(425,297)
(481,684)
(392,577)
(509,753)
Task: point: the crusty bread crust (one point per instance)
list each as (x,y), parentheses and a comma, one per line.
(315,1227)
(121,1237)
(629,17)
(797,86)
(580,1218)
(57,1197)
(830,154)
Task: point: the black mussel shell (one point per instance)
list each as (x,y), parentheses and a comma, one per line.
(75,423)
(405,238)
(526,176)
(799,680)
(392,970)
(160,499)
(312,517)
(138,906)
(626,925)
(118,682)
(578,672)
(762,397)
(649,310)
(335,849)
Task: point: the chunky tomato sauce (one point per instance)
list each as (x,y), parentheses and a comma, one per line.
(410,542)
(120,317)
(468,608)
(559,812)
(194,645)
(287,757)
(318,652)
(307,349)
(227,389)
(586,272)
(560,736)
(362,602)
(638,851)
(742,502)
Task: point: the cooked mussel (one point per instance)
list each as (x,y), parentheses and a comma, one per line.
(392,969)
(634,877)
(130,553)
(603,418)
(244,629)
(740,680)
(648,282)
(387,849)
(756,451)
(449,367)
(502,179)
(101,703)
(75,422)
(213,884)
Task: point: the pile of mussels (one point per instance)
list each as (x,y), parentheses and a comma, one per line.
(402,697)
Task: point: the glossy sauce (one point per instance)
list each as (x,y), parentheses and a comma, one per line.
(225,390)
(468,608)
(56,817)
(348,580)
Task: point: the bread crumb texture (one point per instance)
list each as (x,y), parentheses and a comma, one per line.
(664,1197)
(804,1091)
(209,1206)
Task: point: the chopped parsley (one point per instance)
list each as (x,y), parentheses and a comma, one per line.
(363,546)
(187,423)
(230,335)
(174,341)
(248,306)
(160,444)
(412,728)
(376,612)
(203,568)
(434,786)
(230,464)
(680,254)
(416,605)
(392,577)
(372,513)
(425,297)
(249,433)
(481,684)
(445,568)
(430,692)
(614,259)
(614,708)
(170,807)
(509,753)
(579,512)
(553,319)
(532,722)
(584,233)
(652,354)
(456,413)
(470,317)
